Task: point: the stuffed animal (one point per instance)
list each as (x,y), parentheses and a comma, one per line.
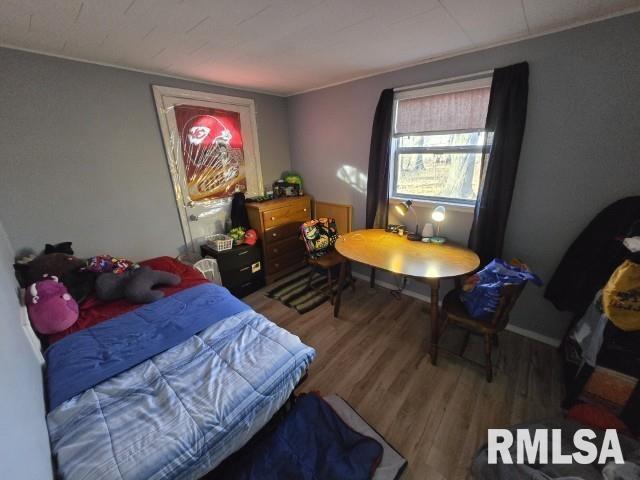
(107,263)
(66,268)
(64,247)
(50,307)
(134,285)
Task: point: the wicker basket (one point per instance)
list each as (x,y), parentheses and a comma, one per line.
(220,242)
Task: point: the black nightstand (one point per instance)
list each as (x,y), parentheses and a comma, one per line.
(240,268)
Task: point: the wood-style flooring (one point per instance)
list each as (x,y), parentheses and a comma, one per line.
(375,357)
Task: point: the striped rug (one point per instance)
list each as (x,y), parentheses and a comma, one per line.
(292,290)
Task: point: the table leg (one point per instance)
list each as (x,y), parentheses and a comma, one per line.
(343,274)
(372,278)
(434,284)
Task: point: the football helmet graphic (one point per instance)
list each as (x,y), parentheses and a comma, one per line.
(205,130)
(206,147)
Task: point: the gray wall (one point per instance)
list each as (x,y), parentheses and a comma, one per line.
(580,149)
(24,441)
(81,156)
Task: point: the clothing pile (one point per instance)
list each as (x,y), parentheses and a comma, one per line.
(598,281)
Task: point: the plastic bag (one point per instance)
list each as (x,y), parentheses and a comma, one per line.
(481,292)
(621,297)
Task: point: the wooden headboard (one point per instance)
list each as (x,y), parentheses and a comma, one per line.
(342,214)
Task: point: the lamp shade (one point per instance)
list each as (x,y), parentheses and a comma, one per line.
(438,214)
(404,207)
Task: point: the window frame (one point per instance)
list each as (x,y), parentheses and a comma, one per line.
(396,150)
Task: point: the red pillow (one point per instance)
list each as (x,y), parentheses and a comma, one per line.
(596,417)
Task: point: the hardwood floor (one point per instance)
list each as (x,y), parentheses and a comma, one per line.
(375,357)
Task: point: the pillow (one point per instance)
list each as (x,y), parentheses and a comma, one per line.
(51,309)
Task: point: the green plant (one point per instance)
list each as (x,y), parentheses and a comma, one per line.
(237,234)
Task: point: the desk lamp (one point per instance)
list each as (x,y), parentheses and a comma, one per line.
(405,207)
(438,216)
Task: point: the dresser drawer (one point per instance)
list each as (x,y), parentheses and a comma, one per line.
(285,261)
(290,230)
(297,212)
(283,247)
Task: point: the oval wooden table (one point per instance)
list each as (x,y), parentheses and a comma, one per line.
(428,262)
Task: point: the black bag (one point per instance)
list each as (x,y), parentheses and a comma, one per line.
(239,217)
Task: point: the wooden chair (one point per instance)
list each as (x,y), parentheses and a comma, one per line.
(453,311)
(326,259)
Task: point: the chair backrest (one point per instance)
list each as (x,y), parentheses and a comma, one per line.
(341,213)
(208,267)
(319,236)
(509,294)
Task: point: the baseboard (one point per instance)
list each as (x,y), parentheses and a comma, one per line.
(554,342)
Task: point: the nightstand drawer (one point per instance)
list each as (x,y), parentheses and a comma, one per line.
(234,278)
(234,259)
(248,287)
(283,247)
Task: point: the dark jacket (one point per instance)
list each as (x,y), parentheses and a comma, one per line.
(593,257)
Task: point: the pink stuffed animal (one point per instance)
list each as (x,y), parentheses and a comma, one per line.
(51,308)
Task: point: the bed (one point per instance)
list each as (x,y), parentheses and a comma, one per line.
(168,389)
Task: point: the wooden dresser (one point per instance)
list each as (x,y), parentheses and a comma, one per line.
(278,225)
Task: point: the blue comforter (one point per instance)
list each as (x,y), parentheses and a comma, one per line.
(90,356)
(180,412)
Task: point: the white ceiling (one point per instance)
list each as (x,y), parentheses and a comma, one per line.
(281,46)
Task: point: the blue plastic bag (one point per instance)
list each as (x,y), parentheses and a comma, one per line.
(482,301)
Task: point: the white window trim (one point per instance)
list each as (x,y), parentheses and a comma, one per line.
(425,203)
(457,86)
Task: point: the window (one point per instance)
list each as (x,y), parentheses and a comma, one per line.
(438,140)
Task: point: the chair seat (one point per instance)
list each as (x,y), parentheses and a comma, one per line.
(456,312)
(328,260)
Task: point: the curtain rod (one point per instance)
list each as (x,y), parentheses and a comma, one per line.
(443,81)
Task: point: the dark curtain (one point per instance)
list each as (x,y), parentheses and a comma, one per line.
(378,176)
(506,119)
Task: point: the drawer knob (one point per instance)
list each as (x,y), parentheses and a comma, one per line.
(274,234)
(273,218)
(275,250)
(304,209)
(277,265)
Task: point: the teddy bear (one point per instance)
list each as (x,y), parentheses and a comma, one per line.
(50,306)
(134,285)
(67,268)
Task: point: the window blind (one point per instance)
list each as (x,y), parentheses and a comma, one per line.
(448,112)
